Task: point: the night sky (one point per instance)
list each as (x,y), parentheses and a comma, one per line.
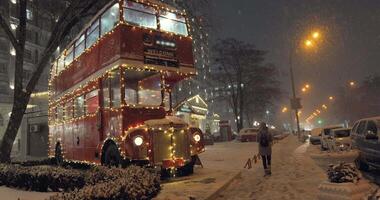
(349,49)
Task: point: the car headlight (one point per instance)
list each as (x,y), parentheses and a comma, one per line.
(197,137)
(138,141)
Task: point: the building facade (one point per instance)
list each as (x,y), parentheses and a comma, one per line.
(37,35)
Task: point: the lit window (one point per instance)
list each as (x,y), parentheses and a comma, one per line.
(143,88)
(79,46)
(29,14)
(92,34)
(79,107)
(14,1)
(61,64)
(13,26)
(110,19)
(140,15)
(92,102)
(173,23)
(13,51)
(69,56)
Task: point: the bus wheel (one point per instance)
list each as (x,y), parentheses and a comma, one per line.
(58,154)
(112,156)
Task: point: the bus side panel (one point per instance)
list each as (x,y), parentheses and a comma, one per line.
(67,140)
(78,140)
(91,139)
(109,48)
(131,43)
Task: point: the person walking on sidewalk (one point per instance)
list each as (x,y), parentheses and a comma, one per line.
(265,139)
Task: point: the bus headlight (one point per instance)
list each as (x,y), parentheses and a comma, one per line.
(138,141)
(197,137)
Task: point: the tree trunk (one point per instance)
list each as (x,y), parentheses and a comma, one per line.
(15,120)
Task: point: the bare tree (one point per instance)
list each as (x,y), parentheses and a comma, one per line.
(242,73)
(68,19)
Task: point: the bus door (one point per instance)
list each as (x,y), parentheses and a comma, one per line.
(92,126)
(112,120)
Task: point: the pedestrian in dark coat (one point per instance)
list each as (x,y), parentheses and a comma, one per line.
(265,140)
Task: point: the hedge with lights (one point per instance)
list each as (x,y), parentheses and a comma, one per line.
(84,182)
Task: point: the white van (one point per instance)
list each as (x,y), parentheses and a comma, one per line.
(327,137)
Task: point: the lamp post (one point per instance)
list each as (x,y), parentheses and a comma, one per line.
(295,101)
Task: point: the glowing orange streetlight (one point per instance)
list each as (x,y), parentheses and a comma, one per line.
(352,83)
(331,98)
(284,109)
(316,35)
(307,86)
(308,43)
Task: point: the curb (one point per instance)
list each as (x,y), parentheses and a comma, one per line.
(215,194)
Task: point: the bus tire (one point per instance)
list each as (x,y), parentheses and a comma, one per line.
(112,156)
(58,154)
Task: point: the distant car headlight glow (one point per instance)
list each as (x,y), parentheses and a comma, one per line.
(197,137)
(138,141)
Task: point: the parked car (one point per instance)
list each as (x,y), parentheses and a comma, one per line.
(341,139)
(365,137)
(327,137)
(315,136)
(247,135)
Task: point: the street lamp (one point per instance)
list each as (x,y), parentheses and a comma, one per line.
(296,102)
(316,35)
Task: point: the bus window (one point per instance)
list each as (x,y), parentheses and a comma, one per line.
(79,106)
(109,19)
(68,110)
(106,92)
(92,102)
(60,113)
(79,46)
(92,34)
(54,69)
(143,88)
(115,88)
(140,15)
(61,64)
(167,101)
(69,56)
(172,22)
(131,91)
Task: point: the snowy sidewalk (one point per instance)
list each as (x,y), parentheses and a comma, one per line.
(222,162)
(294,176)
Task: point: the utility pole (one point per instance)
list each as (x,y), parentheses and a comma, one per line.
(295,102)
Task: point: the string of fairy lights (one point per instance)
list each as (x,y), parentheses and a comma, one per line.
(60,100)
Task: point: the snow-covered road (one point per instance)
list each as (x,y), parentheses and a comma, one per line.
(294,176)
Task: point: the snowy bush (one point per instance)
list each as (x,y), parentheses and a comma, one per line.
(81,180)
(52,161)
(343,173)
(40,178)
(132,183)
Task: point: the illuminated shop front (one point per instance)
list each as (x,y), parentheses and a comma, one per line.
(193,111)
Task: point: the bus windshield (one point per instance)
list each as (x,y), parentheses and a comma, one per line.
(143,88)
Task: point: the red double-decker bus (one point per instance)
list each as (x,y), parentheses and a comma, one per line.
(110,89)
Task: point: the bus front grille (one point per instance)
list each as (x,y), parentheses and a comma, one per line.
(166,144)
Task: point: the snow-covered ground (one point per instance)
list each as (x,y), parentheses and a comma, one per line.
(325,158)
(297,171)
(294,176)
